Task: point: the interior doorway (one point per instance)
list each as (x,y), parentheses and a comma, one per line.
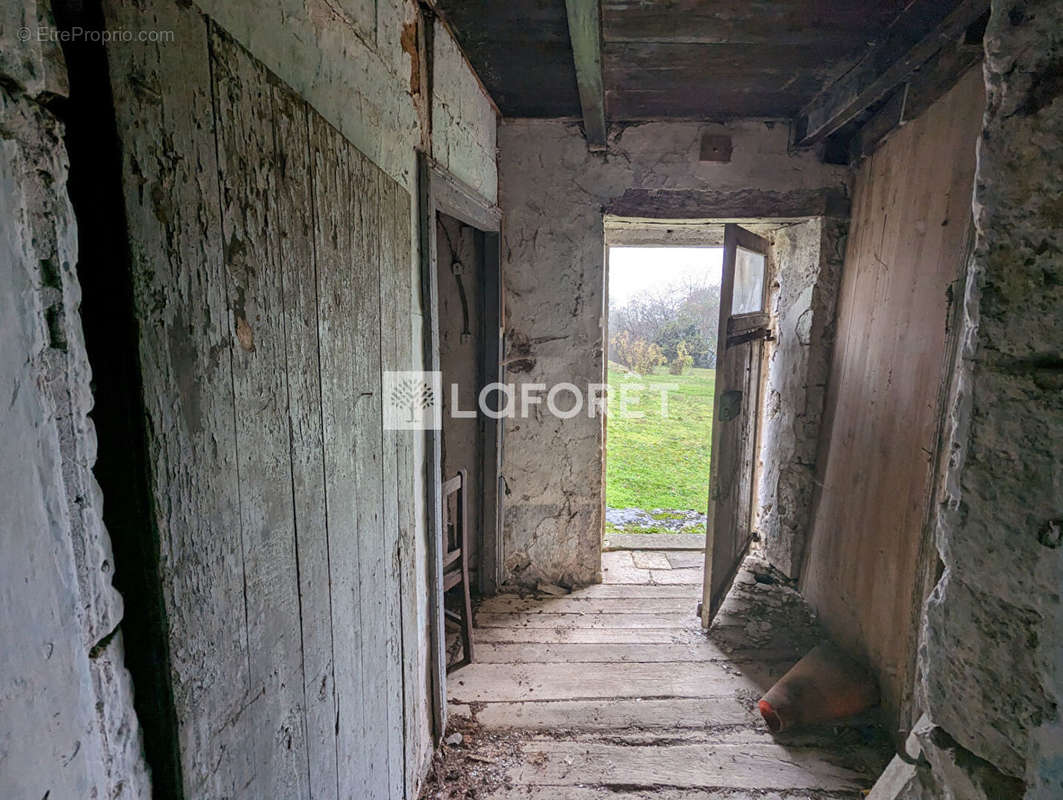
(461,293)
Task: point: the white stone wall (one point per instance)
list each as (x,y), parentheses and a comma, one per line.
(553,193)
(992,655)
(808,260)
(67,726)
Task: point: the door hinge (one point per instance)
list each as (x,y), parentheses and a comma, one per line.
(750,336)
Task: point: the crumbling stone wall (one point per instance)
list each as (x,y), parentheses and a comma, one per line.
(808,259)
(553,193)
(992,652)
(67,726)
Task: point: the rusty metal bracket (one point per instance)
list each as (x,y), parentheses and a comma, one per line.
(751,336)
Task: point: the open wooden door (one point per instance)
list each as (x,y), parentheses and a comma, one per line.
(743,328)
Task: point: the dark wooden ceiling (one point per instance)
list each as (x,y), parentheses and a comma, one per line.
(704,59)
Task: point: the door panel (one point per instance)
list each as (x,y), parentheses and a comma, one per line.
(743,327)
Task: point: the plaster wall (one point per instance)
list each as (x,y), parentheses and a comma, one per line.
(807,259)
(67,726)
(992,649)
(553,193)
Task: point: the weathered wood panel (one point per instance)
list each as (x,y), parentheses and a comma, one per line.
(272,270)
(360,330)
(397,468)
(482,683)
(911,215)
(741,766)
(170,182)
(614,715)
(339,390)
(294,202)
(247,161)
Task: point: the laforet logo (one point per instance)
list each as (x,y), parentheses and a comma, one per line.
(413,400)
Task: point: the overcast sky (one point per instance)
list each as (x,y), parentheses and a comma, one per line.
(637,270)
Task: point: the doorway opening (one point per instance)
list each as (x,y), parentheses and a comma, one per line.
(663,312)
(688,304)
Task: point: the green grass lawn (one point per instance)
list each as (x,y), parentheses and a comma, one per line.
(660,461)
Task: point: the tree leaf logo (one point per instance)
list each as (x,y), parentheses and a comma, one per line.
(413,397)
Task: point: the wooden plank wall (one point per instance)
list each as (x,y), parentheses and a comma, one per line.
(869,551)
(272,285)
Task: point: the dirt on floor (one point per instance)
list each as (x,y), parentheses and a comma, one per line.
(473,761)
(627,650)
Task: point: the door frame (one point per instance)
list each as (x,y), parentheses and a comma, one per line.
(441,192)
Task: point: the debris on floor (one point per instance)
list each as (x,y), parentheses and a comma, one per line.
(615,691)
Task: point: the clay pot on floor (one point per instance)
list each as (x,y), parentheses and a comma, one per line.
(823,686)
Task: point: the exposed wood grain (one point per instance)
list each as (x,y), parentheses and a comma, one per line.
(510,603)
(486,683)
(400,590)
(362,323)
(703,650)
(174,225)
(559,635)
(618,716)
(247,162)
(838,25)
(578,620)
(333,244)
(725,206)
(910,100)
(427,173)
(585,33)
(743,766)
(906,248)
(728,531)
(262,344)
(298,264)
(924,28)
(614,715)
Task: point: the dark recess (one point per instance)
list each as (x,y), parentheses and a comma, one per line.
(105,272)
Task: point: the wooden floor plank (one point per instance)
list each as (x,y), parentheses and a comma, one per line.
(513,604)
(656,793)
(583,620)
(541,653)
(486,683)
(589,635)
(615,691)
(595,715)
(742,766)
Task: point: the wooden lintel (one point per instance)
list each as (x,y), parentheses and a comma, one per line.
(907,46)
(585,31)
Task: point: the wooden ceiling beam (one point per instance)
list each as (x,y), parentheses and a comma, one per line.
(585,31)
(906,47)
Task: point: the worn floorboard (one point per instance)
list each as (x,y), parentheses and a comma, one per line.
(614,691)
